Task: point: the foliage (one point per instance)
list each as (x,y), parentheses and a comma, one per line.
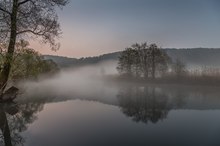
(127,61)
(27,19)
(29,64)
(30,18)
(141,60)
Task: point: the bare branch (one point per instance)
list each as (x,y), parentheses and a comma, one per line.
(40,33)
(3,10)
(23,2)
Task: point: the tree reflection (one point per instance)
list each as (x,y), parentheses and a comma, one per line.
(14,119)
(144,103)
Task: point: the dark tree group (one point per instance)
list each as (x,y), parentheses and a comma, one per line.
(142,60)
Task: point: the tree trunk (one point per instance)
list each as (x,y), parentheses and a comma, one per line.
(5,128)
(153,63)
(11,47)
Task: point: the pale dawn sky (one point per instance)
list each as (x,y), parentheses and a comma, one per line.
(94,27)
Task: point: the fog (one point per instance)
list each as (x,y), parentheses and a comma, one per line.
(77,104)
(92,83)
(83,82)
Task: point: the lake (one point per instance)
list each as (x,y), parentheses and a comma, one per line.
(111,114)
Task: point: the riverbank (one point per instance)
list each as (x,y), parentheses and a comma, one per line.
(210,81)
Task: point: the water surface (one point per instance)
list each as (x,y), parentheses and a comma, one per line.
(114,114)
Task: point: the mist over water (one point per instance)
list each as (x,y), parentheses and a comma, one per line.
(157,96)
(80,82)
(81,106)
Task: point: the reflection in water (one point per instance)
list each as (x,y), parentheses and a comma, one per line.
(152,103)
(14,120)
(6,135)
(85,122)
(143,103)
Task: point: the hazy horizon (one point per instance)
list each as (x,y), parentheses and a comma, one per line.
(94,27)
(128,72)
(78,57)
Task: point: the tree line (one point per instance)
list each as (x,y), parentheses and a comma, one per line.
(151,63)
(143,60)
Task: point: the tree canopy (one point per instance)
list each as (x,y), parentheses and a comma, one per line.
(28,63)
(142,60)
(31,18)
(22,19)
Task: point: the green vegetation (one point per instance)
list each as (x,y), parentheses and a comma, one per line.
(28,63)
(21,19)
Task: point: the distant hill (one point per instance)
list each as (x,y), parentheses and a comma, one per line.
(61,61)
(73,62)
(192,57)
(196,57)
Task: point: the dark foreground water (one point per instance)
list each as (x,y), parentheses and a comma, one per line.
(114,115)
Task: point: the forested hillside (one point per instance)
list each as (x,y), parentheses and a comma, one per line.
(194,57)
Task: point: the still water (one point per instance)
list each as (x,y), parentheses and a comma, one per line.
(114,115)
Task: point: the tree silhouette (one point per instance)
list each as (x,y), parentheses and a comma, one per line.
(141,60)
(27,18)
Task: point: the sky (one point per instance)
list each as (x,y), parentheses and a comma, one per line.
(95,27)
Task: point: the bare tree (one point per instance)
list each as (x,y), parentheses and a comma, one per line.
(27,19)
(140,59)
(158,59)
(126,62)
